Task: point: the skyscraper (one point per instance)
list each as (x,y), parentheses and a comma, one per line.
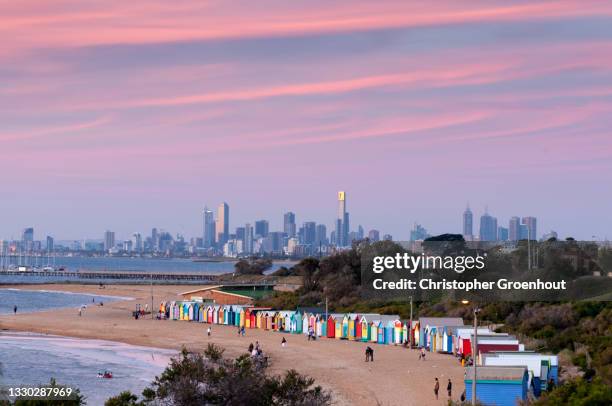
(50,244)
(514,229)
(262,228)
(109,240)
(342,227)
(208,232)
(28,234)
(531,223)
(488,227)
(289,224)
(468,229)
(154,239)
(248,239)
(321,235)
(502,233)
(137,242)
(222,223)
(310,232)
(418,232)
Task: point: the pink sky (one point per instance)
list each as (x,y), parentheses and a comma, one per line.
(129,115)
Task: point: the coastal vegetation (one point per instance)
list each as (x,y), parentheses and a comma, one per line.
(193,378)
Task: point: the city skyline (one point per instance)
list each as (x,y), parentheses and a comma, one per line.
(216,230)
(274,107)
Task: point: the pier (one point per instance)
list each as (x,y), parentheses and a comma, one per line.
(123,277)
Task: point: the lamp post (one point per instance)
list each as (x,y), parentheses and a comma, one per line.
(474,349)
(410,326)
(528,248)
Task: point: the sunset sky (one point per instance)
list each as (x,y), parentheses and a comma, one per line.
(127,115)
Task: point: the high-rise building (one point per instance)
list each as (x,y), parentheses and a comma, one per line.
(248,239)
(109,240)
(276,241)
(346,230)
(514,229)
(418,233)
(374,235)
(222,228)
(50,244)
(262,228)
(488,227)
(208,228)
(531,224)
(523,232)
(137,242)
(360,232)
(502,233)
(468,229)
(154,240)
(289,224)
(321,235)
(310,232)
(341,226)
(28,234)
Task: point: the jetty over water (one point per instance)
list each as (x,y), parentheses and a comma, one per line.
(81,276)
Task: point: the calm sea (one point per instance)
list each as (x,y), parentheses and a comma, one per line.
(38,300)
(32,359)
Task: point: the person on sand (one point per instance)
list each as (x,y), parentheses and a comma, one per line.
(436,388)
(208,331)
(422,354)
(463,396)
(369,353)
(449,388)
(80,311)
(283,342)
(251,346)
(15,309)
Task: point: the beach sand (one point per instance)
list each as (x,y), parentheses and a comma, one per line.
(396,377)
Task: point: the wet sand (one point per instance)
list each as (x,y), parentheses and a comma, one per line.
(396,377)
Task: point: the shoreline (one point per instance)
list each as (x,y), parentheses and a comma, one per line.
(396,378)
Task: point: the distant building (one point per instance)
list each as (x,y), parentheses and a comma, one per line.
(310,232)
(277,239)
(549,235)
(262,228)
(342,226)
(208,228)
(109,240)
(374,235)
(248,239)
(514,229)
(321,235)
(488,227)
(502,233)
(50,244)
(137,242)
(387,237)
(289,226)
(418,233)
(531,224)
(468,229)
(222,225)
(360,232)
(523,232)
(154,240)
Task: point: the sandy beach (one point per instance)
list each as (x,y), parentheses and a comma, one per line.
(396,377)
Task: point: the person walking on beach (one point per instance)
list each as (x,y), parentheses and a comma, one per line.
(15,309)
(283,342)
(449,388)
(436,388)
(208,331)
(422,354)
(369,353)
(251,346)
